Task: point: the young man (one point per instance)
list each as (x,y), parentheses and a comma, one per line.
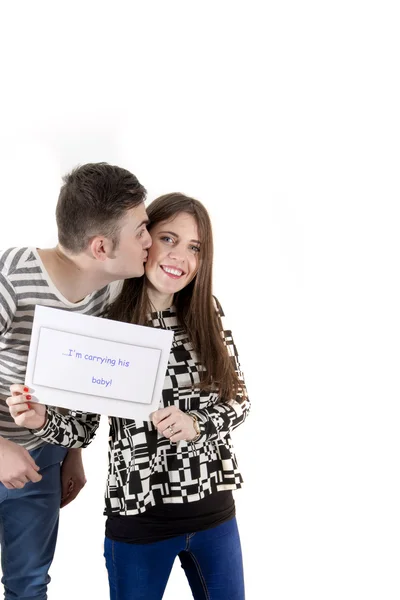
(102,234)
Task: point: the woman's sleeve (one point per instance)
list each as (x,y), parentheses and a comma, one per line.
(218,420)
(72,430)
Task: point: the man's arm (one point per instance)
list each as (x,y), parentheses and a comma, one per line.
(17,467)
(73,477)
(71,429)
(8,304)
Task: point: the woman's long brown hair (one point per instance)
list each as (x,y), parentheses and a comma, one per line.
(195,304)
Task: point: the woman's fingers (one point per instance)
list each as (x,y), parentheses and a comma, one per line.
(18,399)
(18,388)
(164,413)
(165,423)
(18,409)
(26,412)
(173,423)
(18,403)
(174,430)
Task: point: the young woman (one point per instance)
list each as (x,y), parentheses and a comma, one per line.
(170,481)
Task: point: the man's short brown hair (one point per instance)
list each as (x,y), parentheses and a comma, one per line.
(92,201)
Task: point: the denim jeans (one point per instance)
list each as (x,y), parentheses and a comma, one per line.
(28,528)
(211,559)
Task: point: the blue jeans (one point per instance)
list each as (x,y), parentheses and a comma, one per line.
(211,559)
(28,528)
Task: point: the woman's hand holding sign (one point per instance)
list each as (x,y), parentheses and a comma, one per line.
(24,410)
(174,424)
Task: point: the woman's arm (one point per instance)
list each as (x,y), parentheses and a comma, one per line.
(73,430)
(218,420)
(215,421)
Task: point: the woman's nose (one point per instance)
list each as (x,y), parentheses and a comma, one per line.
(177,254)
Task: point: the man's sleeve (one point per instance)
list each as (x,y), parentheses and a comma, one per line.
(8,304)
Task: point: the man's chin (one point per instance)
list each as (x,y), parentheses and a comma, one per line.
(137,273)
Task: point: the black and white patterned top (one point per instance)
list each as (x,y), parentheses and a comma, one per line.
(145,469)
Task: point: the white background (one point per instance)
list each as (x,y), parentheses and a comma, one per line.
(283,118)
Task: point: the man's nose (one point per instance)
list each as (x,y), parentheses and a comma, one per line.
(148,242)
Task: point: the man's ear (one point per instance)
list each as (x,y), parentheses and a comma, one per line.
(101,248)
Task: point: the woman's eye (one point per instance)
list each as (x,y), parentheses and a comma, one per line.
(195,248)
(167,239)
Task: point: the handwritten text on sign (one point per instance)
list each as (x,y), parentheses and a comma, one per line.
(89,365)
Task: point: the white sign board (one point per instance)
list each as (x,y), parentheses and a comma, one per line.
(96,365)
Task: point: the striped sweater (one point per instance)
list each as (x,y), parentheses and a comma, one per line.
(24,283)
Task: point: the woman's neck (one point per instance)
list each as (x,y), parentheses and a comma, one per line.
(158,300)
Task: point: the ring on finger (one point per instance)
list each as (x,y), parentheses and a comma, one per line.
(171,430)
